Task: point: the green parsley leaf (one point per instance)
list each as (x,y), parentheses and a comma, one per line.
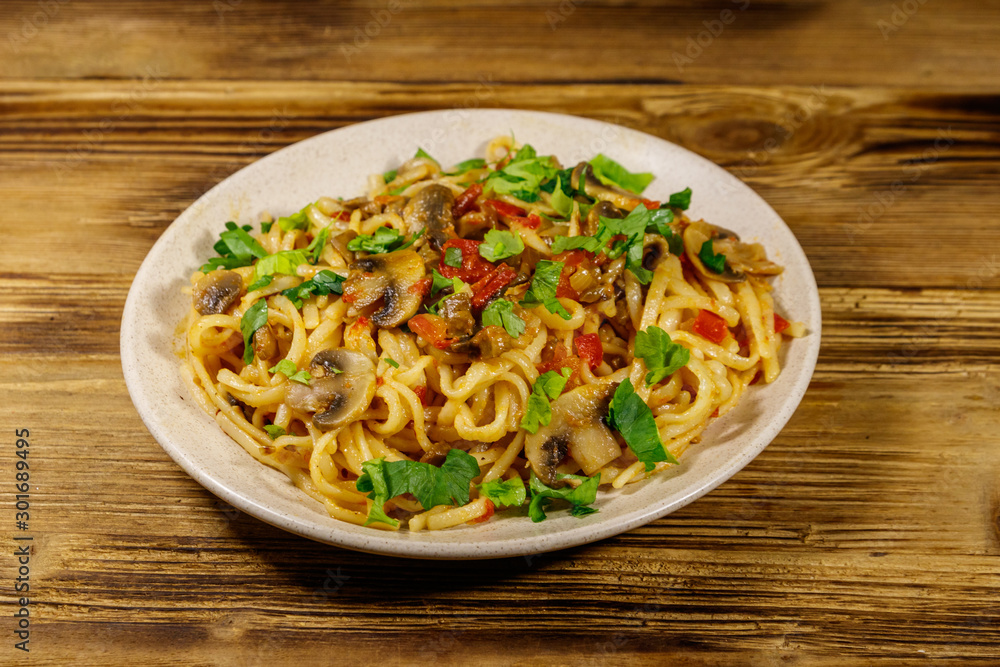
(681,199)
(392,362)
(543,288)
(538,411)
(236,248)
(385,239)
(389,176)
(564,243)
(453,257)
(633,227)
(439,282)
(631,417)
(432,486)
(505,493)
(522,177)
(398,191)
(660,220)
(265,226)
(579,496)
(260,283)
(663,357)
(500,313)
(323,283)
(274,432)
(610,172)
(297,220)
(715,262)
(315,247)
(253,319)
(560,201)
(289,370)
(499,245)
(422,153)
(284,261)
(468,165)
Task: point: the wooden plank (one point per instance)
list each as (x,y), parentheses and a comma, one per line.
(807,42)
(883,188)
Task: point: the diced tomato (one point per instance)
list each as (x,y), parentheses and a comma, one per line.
(422,286)
(503,208)
(650,204)
(710,326)
(531,222)
(590,349)
(343,216)
(715,413)
(490,508)
(534,221)
(421,392)
(433,329)
(489,286)
(780,323)
(756,378)
(474,268)
(574,258)
(382,200)
(564,290)
(466,201)
(560,362)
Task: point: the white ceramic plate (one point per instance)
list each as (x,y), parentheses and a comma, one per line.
(337,163)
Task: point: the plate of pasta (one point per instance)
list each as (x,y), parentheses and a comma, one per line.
(470,334)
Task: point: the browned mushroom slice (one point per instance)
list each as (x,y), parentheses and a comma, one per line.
(741,258)
(341,389)
(431,209)
(583,178)
(217,291)
(392,278)
(576,429)
(602,209)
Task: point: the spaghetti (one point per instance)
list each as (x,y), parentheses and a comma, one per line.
(413,356)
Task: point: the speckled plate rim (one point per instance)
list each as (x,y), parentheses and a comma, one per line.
(337,163)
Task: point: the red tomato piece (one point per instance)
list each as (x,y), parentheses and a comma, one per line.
(474,268)
(780,323)
(590,349)
(559,363)
(650,204)
(466,201)
(503,208)
(421,392)
(710,326)
(433,329)
(422,286)
(489,286)
(490,508)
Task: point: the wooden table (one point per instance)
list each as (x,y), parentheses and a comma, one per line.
(867,533)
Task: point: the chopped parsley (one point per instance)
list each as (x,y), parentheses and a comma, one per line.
(285,261)
(579,497)
(522,177)
(253,319)
(289,370)
(468,165)
(681,200)
(236,248)
(297,220)
(538,411)
(500,313)
(610,172)
(392,362)
(323,283)
(432,486)
(560,201)
(504,493)
(631,417)
(453,257)
(496,245)
(662,356)
(274,432)
(716,262)
(385,239)
(543,288)
(260,283)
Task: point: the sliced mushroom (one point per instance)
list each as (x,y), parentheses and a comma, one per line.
(341,389)
(576,429)
(431,209)
(394,278)
(583,178)
(217,291)
(265,345)
(741,258)
(457,312)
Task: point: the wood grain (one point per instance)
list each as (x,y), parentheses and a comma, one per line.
(867,533)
